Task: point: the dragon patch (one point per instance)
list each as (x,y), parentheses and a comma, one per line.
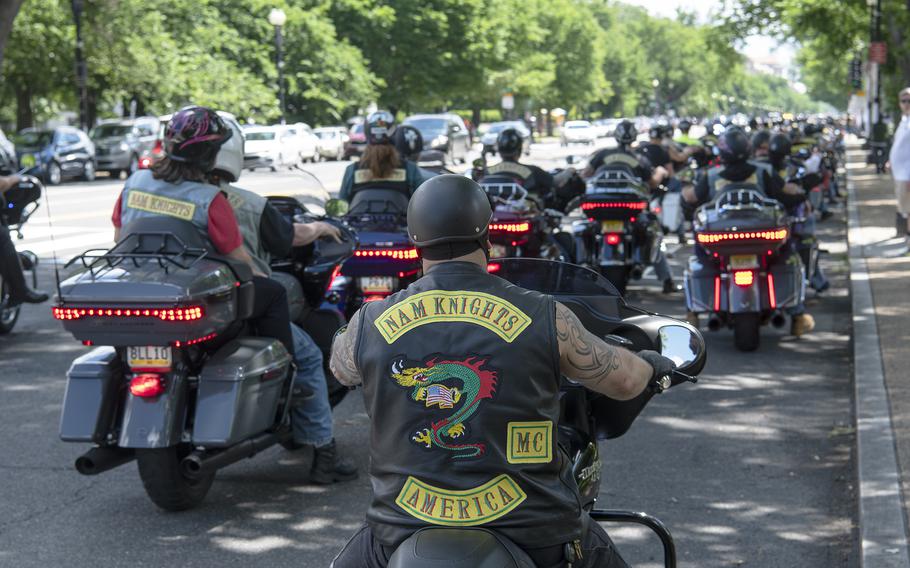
(460,384)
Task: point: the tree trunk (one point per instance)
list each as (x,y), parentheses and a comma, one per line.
(475,115)
(24,116)
(8,11)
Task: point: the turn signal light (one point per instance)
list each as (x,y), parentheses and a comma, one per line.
(190,313)
(743,277)
(510,227)
(771,235)
(637,205)
(147,385)
(395,254)
(613,238)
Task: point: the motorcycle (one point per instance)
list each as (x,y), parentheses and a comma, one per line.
(176,382)
(745,279)
(16,206)
(586,418)
(620,236)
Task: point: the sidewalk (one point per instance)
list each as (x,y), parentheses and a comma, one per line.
(881,277)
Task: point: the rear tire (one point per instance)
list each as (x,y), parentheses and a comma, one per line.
(746,331)
(617,275)
(8,316)
(164,481)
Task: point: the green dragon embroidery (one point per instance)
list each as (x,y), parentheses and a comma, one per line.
(426,381)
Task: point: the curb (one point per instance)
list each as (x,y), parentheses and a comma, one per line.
(883,532)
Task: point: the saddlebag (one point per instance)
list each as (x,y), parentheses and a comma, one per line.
(239,391)
(91,397)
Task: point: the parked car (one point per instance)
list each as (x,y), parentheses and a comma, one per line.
(489,137)
(269,147)
(299,138)
(8,162)
(56,153)
(446,133)
(605,127)
(577,132)
(331,141)
(357,142)
(120,144)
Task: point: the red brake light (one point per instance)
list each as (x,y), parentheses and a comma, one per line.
(613,239)
(195,341)
(145,163)
(510,227)
(493,267)
(772,296)
(188,313)
(394,254)
(717,293)
(636,205)
(743,277)
(374,298)
(770,235)
(147,385)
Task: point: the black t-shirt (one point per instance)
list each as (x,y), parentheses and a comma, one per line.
(275,232)
(657,154)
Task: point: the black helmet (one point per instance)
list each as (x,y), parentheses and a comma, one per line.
(760,138)
(779,147)
(625,132)
(194,135)
(810,129)
(684,126)
(734,146)
(509,142)
(378,127)
(449,216)
(408,141)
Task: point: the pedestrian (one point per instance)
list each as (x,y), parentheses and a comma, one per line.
(900,166)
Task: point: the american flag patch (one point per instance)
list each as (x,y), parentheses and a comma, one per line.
(442,396)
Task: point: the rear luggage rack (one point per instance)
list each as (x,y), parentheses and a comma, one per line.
(172,251)
(739,199)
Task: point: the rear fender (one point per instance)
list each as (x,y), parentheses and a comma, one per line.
(744,299)
(156,422)
(699,284)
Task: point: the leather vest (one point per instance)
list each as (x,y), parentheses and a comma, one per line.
(511,170)
(248,208)
(716,181)
(461,382)
(145,196)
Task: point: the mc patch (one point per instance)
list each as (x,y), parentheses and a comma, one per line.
(161,205)
(530,442)
(460,508)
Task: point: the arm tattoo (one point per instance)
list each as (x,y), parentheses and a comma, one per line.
(344,350)
(584,357)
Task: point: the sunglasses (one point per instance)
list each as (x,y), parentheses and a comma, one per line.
(905,101)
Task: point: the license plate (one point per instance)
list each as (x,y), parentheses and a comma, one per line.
(28,160)
(499,251)
(612,226)
(744,261)
(152,356)
(377,283)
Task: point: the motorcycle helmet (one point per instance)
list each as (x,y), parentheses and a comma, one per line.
(408,141)
(625,132)
(779,146)
(684,126)
(194,135)
(229,161)
(733,146)
(810,129)
(449,216)
(760,138)
(509,143)
(378,127)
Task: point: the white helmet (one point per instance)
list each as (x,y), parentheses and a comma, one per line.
(229,162)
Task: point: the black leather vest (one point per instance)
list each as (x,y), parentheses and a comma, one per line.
(461,382)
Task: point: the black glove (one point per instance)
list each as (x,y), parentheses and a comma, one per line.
(661,378)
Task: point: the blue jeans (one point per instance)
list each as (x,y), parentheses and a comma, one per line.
(312,419)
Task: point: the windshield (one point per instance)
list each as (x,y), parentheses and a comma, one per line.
(35,138)
(428,126)
(110,130)
(259,135)
(550,277)
(325,134)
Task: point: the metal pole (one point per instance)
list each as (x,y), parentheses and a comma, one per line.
(878,68)
(81,68)
(279,55)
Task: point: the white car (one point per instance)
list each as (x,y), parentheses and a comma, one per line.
(299,137)
(264,147)
(330,142)
(578,132)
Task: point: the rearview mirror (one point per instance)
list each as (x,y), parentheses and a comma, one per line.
(682,345)
(336,207)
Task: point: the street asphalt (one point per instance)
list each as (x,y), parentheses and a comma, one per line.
(752,466)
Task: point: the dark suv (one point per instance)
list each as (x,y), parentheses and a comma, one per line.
(56,153)
(120,144)
(444,133)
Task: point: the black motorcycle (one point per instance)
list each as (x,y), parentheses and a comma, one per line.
(177,382)
(16,206)
(587,417)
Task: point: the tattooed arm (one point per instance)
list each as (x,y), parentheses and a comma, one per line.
(344,349)
(594,363)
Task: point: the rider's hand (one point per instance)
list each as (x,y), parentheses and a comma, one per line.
(9,182)
(327,230)
(661,366)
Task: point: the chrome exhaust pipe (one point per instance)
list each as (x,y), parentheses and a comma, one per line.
(636,272)
(778,320)
(200,463)
(98,460)
(713,323)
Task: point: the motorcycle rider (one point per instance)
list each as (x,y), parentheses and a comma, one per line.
(176,187)
(381,166)
(735,149)
(409,143)
(509,145)
(685,126)
(10,268)
(267,234)
(506,346)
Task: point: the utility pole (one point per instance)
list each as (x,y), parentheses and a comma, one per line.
(81,67)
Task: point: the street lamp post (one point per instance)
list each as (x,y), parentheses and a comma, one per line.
(277,18)
(656,83)
(81,68)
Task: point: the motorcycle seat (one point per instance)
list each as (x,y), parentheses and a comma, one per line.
(379,201)
(459,548)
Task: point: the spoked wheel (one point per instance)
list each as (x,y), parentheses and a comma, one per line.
(164,481)
(746,331)
(617,275)
(8,316)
